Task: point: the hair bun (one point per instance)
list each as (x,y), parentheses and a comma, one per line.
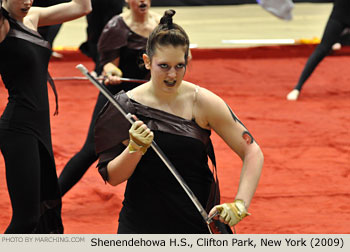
(167,18)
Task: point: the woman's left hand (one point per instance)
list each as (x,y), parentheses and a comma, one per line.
(230,213)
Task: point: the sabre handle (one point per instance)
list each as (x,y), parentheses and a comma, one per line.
(130,118)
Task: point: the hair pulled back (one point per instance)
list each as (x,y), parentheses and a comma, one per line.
(167,33)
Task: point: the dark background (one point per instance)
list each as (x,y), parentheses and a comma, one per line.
(218,2)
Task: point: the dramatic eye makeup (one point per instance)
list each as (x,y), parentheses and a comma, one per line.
(177,67)
(163,66)
(180,66)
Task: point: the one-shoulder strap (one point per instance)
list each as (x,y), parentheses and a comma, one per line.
(19,30)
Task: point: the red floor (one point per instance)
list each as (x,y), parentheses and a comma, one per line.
(304,186)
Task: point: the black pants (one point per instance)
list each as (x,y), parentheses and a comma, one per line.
(32,185)
(331,35)
(80,163)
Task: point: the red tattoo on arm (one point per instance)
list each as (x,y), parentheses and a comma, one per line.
(248,138)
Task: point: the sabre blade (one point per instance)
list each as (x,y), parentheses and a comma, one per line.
(98,78)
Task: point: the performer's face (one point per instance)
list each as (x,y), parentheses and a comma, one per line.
(18,8)
(167,67)
(139,6)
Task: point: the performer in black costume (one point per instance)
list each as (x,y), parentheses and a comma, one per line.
(121,46)
(179,116)
(339,19)
(25,138)
(102,12)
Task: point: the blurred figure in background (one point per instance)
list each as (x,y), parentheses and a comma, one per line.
(338,21)
(122,43)
(25,131)
(102,12)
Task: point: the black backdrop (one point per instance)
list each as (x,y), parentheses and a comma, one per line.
(217,2)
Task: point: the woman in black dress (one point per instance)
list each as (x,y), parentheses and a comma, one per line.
(121,45)
(25,138)
(339,19)
(180,116)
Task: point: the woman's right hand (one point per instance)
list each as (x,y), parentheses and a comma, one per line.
(141,137)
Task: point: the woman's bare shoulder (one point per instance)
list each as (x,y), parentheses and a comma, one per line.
(202,92)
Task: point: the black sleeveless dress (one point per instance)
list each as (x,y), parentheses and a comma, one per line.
(154,202)
(24,59)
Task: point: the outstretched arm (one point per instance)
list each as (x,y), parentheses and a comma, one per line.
(59,13)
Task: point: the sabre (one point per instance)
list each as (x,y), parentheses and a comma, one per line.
(98,78)
(208,220)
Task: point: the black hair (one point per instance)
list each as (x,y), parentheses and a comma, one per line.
(167,33)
